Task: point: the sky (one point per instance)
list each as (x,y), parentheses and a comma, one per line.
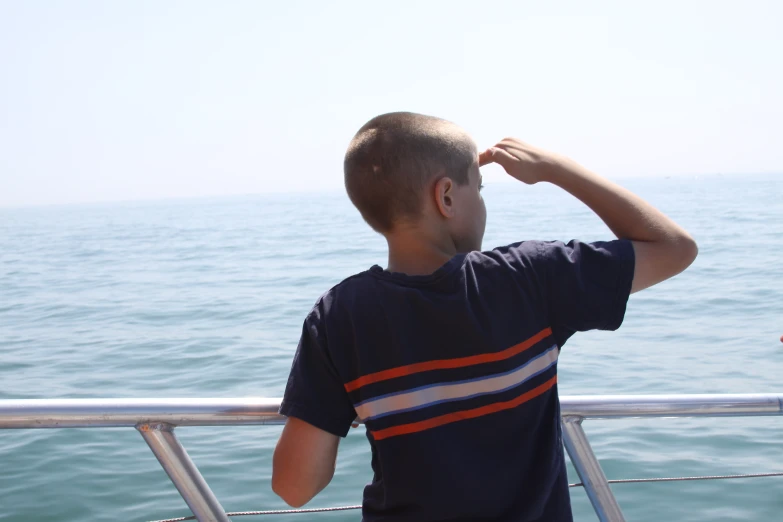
(105,101)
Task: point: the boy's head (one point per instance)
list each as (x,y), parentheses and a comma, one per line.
(404,168)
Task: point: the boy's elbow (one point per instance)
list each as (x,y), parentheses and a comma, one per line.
(289,492)
(293,500)
(686,251)
(661,260)
(297,489)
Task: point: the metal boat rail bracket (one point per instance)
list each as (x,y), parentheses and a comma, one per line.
(182,471)
(156,419)
(589,469)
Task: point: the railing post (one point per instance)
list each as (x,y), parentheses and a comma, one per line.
(182,472)
(589,470)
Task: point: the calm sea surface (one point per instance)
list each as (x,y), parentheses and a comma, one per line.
(205,298)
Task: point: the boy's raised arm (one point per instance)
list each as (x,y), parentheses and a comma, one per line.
(662,248)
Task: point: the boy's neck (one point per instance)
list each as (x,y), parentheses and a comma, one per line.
(412,252)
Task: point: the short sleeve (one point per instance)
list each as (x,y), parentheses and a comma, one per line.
(315,392)
(585,285)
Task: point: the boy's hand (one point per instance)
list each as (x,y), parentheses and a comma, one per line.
(521,161)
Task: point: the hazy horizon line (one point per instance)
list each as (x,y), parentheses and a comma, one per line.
(332,190)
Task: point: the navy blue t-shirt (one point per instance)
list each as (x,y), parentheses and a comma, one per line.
(455,376)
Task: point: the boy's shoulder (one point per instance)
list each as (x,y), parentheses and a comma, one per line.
(513,253)
(541,254)
(528,261)
(348,288)
(365,283)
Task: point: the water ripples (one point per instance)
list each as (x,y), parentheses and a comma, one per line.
(206,298)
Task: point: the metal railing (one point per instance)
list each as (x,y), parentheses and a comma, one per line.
(156,419)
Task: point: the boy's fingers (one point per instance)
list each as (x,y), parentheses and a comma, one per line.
(496,155)
(502,157)
(485,157)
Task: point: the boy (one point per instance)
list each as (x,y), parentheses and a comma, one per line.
(449,355)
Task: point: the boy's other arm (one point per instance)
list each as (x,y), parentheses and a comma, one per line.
(304,462)
(662,248)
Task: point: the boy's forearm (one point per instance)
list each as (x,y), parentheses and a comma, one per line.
(627,215)
(662,248)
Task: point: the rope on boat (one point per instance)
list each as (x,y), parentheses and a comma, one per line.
(578,484)
(678,479)
(270,512)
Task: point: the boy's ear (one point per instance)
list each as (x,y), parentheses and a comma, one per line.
(444,196)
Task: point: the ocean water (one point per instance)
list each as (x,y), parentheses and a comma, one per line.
(205,298)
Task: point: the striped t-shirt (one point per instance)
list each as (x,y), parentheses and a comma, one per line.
(455,376)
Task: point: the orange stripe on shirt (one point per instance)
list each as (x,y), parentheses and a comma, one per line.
(448,418)
(442,364)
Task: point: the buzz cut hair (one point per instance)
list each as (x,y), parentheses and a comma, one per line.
(393,159)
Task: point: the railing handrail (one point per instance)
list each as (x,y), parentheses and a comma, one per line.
(155,419)
(84,413)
